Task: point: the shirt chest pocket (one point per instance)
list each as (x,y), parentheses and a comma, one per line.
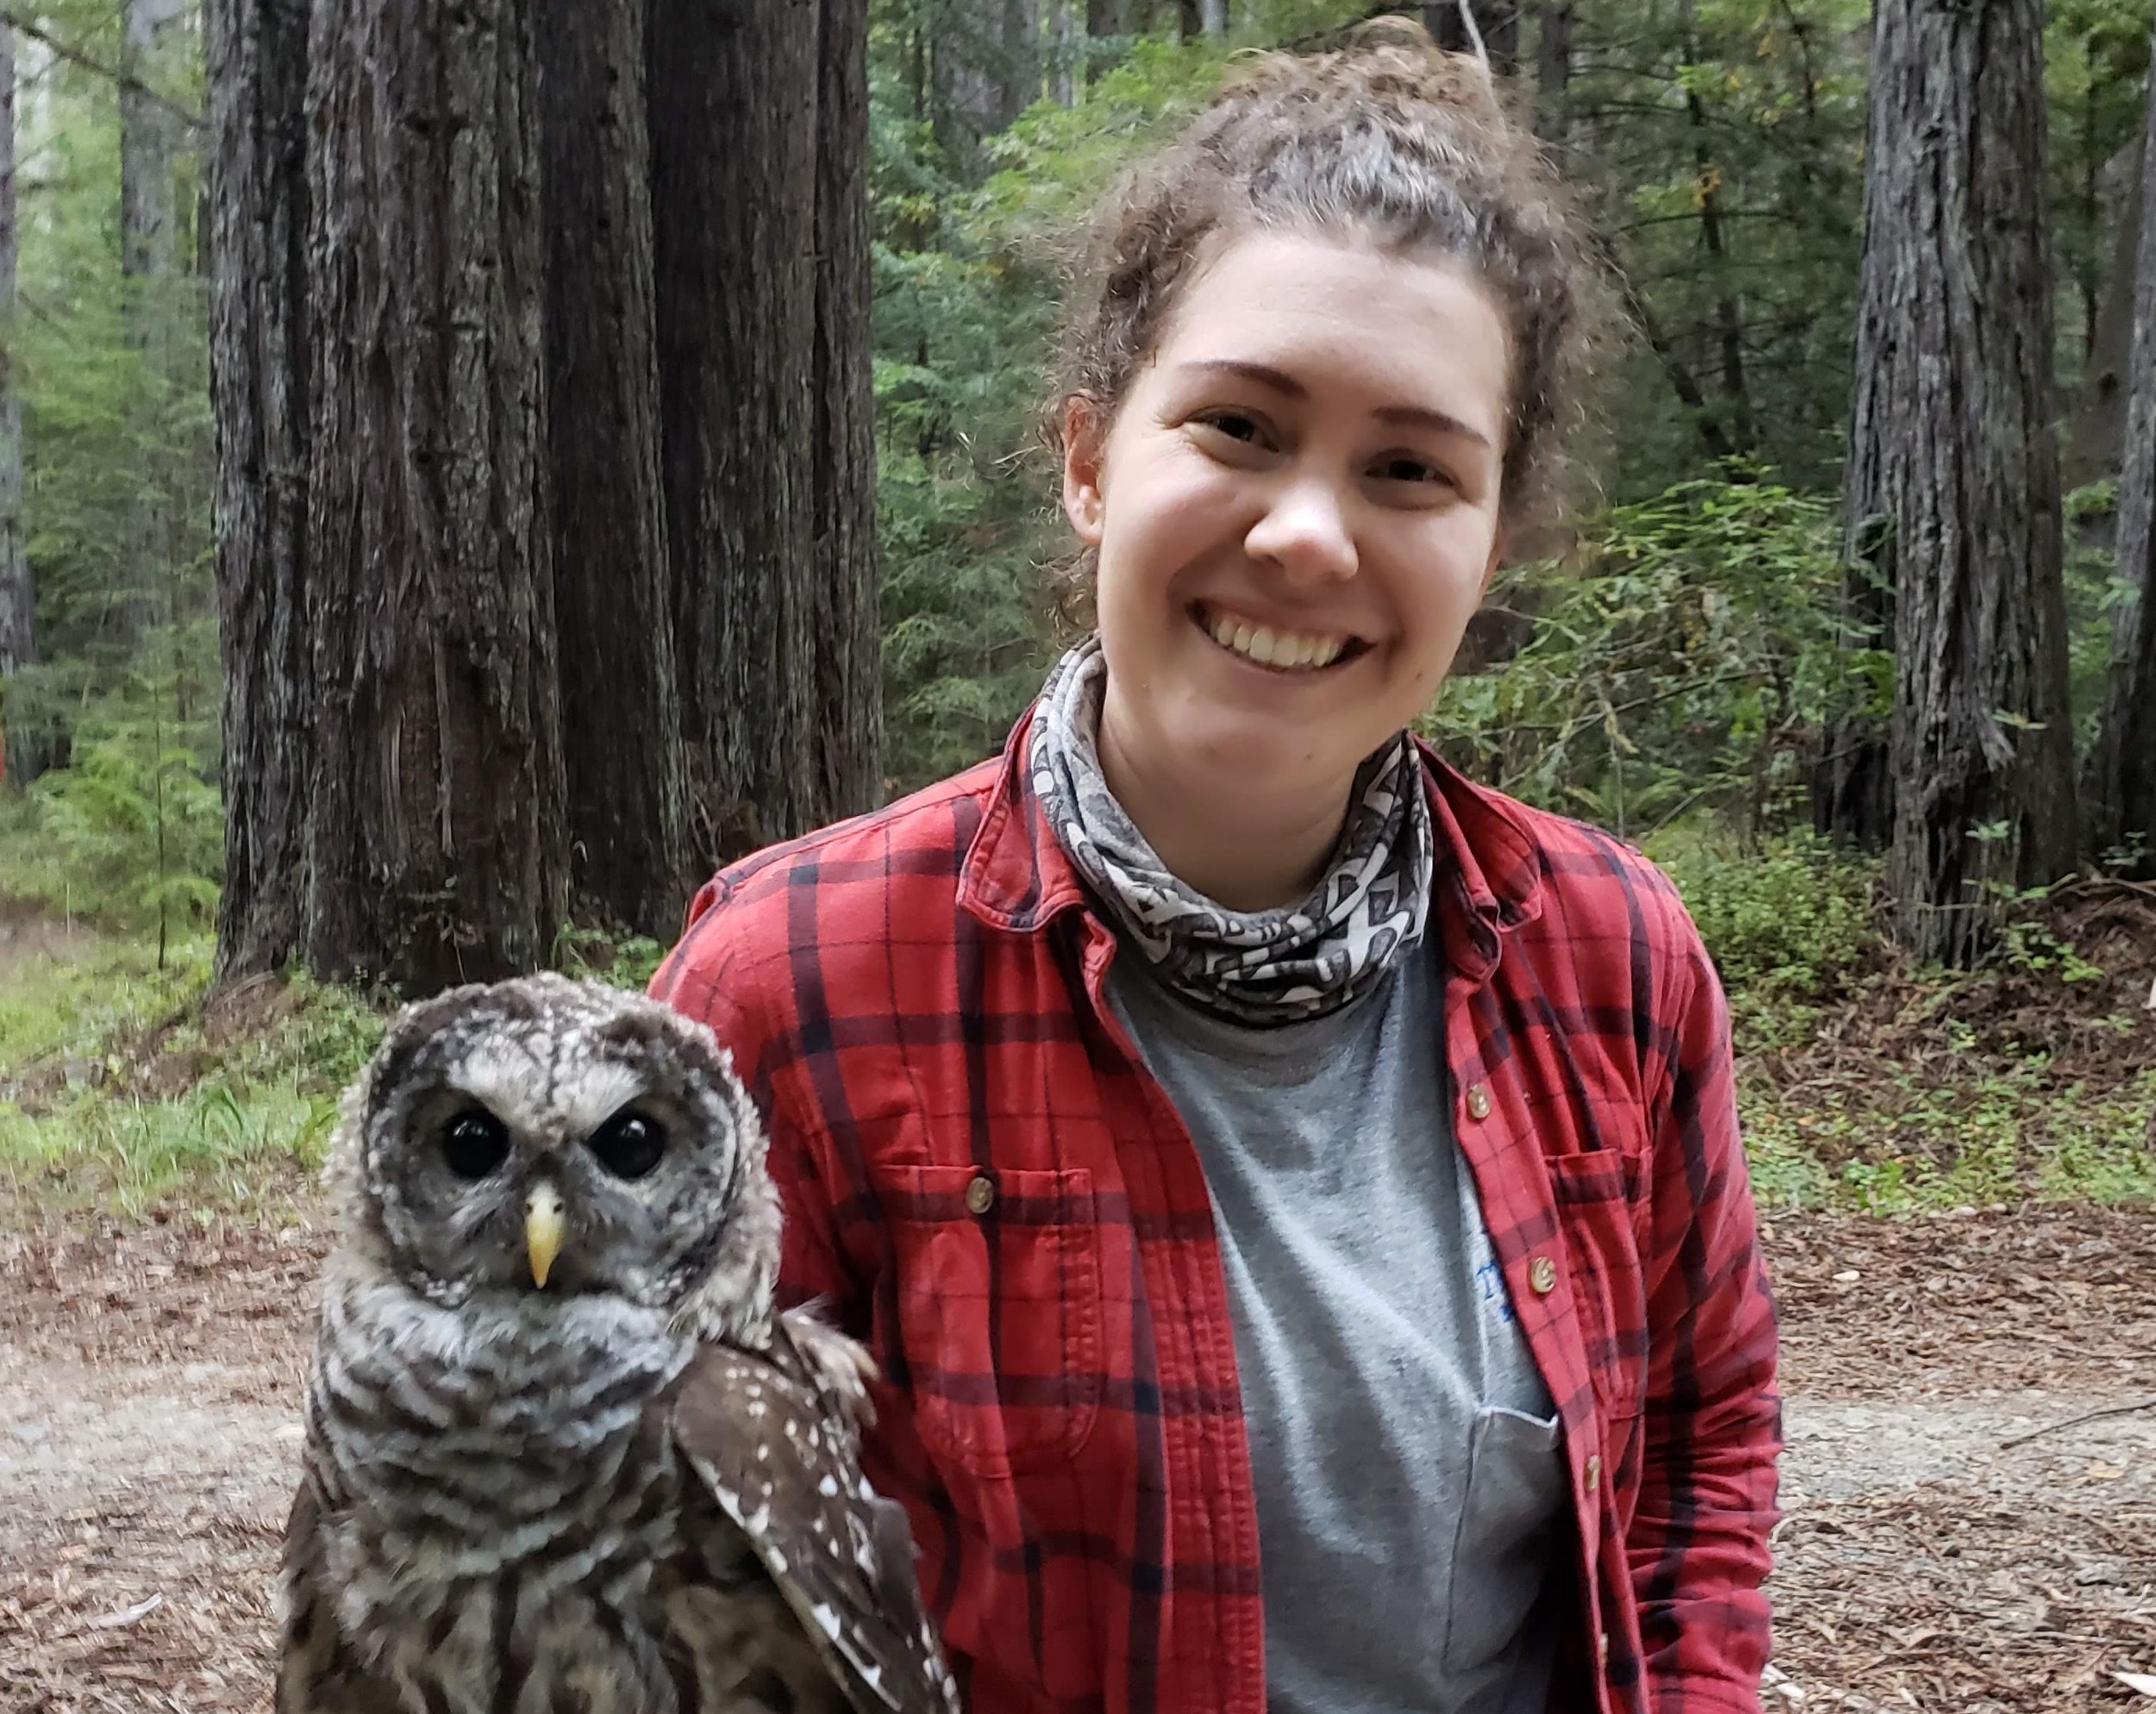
(998,1310)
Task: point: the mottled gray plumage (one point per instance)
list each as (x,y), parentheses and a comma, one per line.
(631,1489)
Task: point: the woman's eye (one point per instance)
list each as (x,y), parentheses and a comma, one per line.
(628,1146)
(474,1144)
(1407,470)
(1235,426)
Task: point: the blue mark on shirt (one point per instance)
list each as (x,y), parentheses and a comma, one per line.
(1490,1278)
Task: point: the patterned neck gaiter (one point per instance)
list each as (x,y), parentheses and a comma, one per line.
(1257,967)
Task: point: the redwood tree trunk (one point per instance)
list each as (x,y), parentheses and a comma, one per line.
(149,224)
(847,627)
(2096,439)
(257,55)
(621,712)
(18,643)
(1952,453)
(2125,767)
(772,573)
(986,67)
(435,831)
(1553,71)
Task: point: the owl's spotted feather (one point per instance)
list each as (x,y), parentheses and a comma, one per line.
(632,1490)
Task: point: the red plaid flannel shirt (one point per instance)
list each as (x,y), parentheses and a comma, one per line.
(983,1182)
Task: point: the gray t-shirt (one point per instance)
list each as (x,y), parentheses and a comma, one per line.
(1404,1447)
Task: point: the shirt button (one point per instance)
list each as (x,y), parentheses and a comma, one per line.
(1478,1101)
(981,1194)
(1542,1276)
(1594,1470)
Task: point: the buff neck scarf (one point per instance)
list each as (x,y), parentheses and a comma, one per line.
(1256,967)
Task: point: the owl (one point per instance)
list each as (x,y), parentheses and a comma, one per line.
(560,1452)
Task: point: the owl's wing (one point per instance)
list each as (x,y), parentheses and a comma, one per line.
(780,1454)
(317,1672)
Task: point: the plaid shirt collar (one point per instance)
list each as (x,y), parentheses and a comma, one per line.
(1488,878)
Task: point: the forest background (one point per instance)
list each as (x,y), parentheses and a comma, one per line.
(1704,661)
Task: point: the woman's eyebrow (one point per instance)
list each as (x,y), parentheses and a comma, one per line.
(1262,373)
(1401,416)
(1422,417)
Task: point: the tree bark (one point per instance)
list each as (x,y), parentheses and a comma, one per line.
(1952,454)
(987,63)
(1498,20)
(1103,18)
(2125,764)
(763,603)
(148,218)
(1065,28)
(629,862)
(257,55)
(19,636)
(1213,17)
(2096,442)
(1553,73)
(845,571)
(435,845)
(1728,314)
(148,234)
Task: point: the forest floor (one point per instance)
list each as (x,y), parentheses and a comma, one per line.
(1964,1530)
(1969,1304)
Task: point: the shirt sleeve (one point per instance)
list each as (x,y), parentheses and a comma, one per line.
(1698,1544)
(709,977)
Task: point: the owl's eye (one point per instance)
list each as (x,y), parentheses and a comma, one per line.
(629,1145)
(475,1144)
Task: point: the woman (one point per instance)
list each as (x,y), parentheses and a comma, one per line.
(1293,1194)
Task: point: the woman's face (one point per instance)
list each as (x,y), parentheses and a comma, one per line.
(1296,511)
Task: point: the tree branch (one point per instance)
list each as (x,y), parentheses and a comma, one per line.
(90,62)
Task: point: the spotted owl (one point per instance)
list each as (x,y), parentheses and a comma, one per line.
(560,1453)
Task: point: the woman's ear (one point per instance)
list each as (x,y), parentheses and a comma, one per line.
(1084,502)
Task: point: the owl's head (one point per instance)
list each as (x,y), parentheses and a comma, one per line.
(554,1136)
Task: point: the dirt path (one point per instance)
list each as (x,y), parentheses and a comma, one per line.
(147,1434)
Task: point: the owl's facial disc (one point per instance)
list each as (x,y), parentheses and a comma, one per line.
(573,1154)
(520,1193)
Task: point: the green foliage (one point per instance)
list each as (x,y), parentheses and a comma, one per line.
(1682,660)
(113,371)
(130,836)
(1791,925)
(1719,149)
(140,833)
(1911,1140)
(623,961)
(1864,1083)
(124,1084)
(124,828)
(2096,589)
(2096,63)
(968,278)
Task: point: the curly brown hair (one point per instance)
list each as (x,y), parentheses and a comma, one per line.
(1388,139)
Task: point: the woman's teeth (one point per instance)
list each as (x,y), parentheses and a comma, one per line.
(1270,648)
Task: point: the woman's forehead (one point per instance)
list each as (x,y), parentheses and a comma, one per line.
(1325,315)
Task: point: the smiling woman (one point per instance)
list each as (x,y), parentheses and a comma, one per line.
(1293,1193)
(1312,465)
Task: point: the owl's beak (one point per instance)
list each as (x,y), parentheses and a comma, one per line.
(543,1230)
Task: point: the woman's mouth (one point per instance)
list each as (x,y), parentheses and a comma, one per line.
(1272,646)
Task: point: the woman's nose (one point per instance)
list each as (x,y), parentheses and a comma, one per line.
(1305,532)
